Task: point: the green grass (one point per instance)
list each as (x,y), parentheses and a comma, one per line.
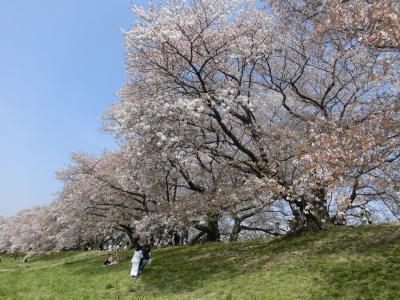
(343,262)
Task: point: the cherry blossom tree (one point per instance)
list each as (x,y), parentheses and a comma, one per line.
(219,76)
(104,190)
(238,118)
(374,23)
(30,231)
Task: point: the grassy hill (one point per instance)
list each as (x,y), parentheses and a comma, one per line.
(343,262)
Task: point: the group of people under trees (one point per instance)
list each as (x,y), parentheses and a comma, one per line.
(140,258)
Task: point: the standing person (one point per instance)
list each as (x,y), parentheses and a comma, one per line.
(136,261)
(177,238)
(146,250)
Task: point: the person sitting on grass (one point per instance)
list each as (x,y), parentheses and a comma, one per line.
(110,261)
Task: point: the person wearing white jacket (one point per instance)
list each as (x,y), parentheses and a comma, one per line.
(137,257)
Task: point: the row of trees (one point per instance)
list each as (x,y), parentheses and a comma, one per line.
(237,115)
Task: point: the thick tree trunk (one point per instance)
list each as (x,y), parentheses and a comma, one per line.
(102,242)
(298,223)
(322,214)
(313,218)
(235,230)
(185,236)
(119,239)
(97,243)
(319,207)
(213,233)
(210,228)
(133,240)
(197,238)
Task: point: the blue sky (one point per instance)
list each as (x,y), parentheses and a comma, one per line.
(61,63)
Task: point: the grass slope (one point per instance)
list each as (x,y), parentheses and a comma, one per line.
(343,262)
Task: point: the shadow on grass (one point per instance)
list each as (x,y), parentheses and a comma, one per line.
(185,269)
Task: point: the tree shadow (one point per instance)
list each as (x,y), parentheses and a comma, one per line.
(185,269)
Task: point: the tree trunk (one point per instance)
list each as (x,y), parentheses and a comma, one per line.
(133,240)
(211,229)
(235,230)
(314,217)
(298,222)
(321,213)
(102,242)
(185,236)
(213,233)
(319,207)
(197,238)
